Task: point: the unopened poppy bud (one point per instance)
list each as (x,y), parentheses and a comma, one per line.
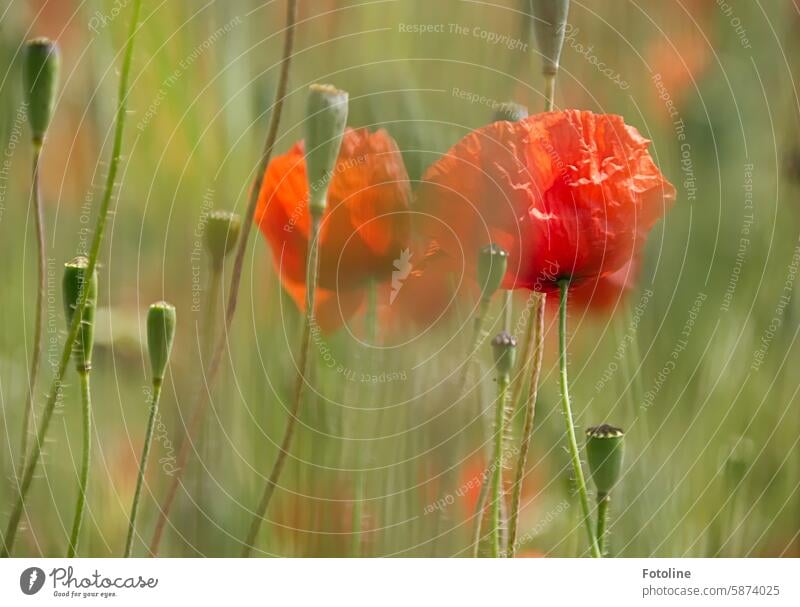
(604,451)
(508,110)
(73,284)
(504,346)
(492,265)
(160,335)
(738,459)
(221,234)
(40,71)
(549,25)
(326,117)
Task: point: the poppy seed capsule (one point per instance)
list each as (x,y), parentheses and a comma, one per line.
(73,284)
(504,346)
(492,265)
(549,25)
(40,72)
(221,233)
(508,110)
(160,335)
(326,117)
(604,451)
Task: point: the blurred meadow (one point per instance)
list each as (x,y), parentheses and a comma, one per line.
(694,362)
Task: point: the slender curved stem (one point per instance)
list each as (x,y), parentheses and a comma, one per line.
(94,251)
(503,382)
(537,328)
(478,335)
(291,423)
(549,92)
(33,373)
(148,440)
(236,277)
(603,500)
(572,442)
(80,506)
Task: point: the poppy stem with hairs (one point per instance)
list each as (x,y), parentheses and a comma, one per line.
(55,387)
(603,500)
(33,373)
(536,341)
(86,402)
(236,276)
(503,381)
(580,480)
(300,382)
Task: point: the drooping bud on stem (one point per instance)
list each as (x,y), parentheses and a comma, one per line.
(504,346)
(549,25)
(738,459)
(326,117)
(222,232)
(74,282)
(492,265)
(40,71)
(160,335)
(508,110)
(604,452)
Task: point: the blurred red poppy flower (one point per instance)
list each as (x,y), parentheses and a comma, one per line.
(568,194)
(363,232)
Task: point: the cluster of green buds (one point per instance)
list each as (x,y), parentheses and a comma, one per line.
(221,234)
(40,75)
(74,283)
(549,25)
(160,335)
(326,118)
(492,265)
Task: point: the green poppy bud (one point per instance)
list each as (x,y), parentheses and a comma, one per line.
(326,117)
(73,284)
(222,232)
(504,346)
(40,71)
(492,265)
(508,110)
(604,451)
(738,459)
(549,25)
(160,335)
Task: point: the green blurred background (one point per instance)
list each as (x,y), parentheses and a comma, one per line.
(678,363)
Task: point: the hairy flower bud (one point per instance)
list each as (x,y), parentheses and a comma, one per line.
(73,284)
(326,117)
(160,335)
(40,72)
(549,25)
(492,265)
(508,110)
(222,232)
(604,452)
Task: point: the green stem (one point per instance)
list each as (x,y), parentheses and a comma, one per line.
(537,328)
(55,386)
(86,402)
(603,500)
(236,276)
(300,382)
(37,335)
(572,442)
(478,336)
(503,382)
(549,92)
(148,440)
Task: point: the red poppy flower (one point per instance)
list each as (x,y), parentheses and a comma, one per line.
(364,229)
(568,194)
(606,293)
